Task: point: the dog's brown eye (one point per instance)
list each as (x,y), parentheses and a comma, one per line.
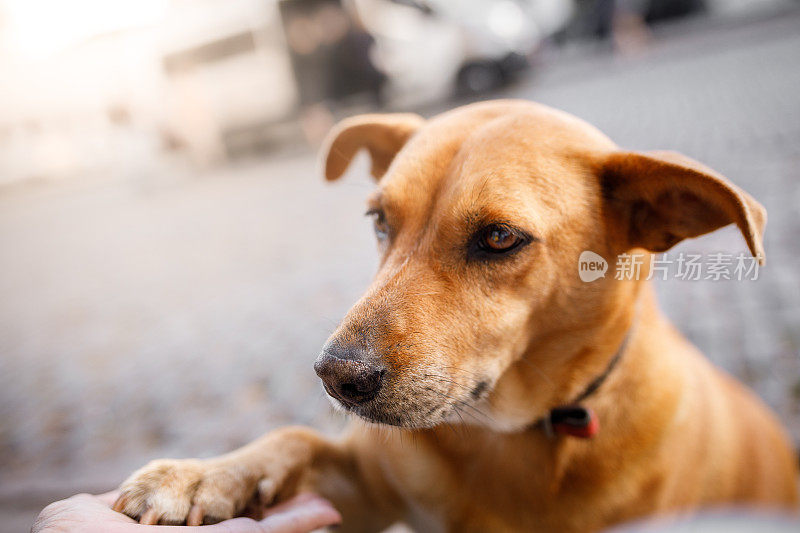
(497,240)
(379,223)
(500,239)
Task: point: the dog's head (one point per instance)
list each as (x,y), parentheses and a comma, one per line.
(481,215)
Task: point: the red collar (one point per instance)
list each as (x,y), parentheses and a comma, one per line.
(573,419)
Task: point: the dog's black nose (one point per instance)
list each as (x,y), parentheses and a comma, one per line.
(349,375)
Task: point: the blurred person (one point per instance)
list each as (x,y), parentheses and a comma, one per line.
(618,23)
(630,32)
(624,25)
(93,514)
(330,52)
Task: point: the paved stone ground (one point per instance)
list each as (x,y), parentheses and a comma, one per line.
(180,316)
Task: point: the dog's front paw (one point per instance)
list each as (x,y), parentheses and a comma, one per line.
(190,491)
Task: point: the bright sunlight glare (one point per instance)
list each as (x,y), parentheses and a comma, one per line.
(36,29)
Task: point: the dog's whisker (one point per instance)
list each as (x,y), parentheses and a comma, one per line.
(458,401)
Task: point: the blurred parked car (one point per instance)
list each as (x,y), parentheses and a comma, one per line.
(432,48)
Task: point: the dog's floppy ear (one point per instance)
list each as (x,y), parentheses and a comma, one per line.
(383,135)
(665,197)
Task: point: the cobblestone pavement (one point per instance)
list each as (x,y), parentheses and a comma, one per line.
(181,317)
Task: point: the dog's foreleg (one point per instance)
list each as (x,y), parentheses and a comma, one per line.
(268,470)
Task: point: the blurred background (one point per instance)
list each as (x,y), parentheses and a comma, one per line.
(171,261)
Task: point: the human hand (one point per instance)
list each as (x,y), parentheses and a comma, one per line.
(93,514)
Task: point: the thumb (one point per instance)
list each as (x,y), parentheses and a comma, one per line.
(108,498)
(303,513)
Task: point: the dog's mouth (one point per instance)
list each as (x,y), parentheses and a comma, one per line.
(342,403)
(371,410)
(422,408)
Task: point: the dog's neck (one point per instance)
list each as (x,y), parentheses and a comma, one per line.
(638,401)
(558,372)
(574,419)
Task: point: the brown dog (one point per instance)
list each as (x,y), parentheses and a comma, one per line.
(477,326)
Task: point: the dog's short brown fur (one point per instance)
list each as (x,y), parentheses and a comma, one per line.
(476,349)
